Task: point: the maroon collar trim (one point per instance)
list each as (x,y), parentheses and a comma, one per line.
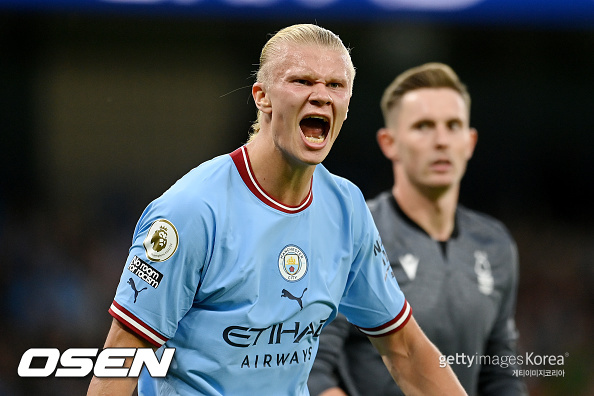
(242,163)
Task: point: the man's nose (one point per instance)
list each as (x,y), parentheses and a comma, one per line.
(320,95)
(442,135)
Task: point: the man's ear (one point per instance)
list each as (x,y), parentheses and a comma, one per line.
(387,143)
(261,98)
(472,143)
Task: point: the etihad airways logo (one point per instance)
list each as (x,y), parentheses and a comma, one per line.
(243,337)
(281,333)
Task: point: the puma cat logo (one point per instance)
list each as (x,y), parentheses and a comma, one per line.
(133,286)
(299,300)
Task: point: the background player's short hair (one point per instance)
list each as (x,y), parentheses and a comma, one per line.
(428,75)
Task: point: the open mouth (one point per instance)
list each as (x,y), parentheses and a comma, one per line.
(315,128)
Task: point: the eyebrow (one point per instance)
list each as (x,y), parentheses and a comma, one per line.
(433,121)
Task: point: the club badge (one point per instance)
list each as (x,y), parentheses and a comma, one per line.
(482,267)
(292,263)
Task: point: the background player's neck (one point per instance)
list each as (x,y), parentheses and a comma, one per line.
(433,213)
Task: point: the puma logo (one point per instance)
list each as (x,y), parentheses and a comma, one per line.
(287,294)
(133,286)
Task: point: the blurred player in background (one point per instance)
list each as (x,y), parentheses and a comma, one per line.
(242,261)
(458,268)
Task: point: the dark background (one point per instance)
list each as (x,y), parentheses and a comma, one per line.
(101,112)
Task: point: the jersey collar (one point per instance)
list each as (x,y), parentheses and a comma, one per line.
(242,163)
(411,222)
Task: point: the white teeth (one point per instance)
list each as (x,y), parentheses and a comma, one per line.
(319,118)
(314,139)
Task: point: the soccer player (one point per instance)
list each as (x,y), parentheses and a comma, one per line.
(247,256)
(458,268)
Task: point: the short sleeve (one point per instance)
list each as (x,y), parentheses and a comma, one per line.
(163,269)
(373,300)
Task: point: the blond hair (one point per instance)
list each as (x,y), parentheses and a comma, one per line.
(429,75)
(302,34)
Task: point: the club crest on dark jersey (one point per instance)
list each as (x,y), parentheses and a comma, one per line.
(482,267)
(292,263)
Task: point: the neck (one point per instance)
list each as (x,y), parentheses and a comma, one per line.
(287,183)
(434,211)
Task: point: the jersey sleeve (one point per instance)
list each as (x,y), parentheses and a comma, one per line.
(373,301)
(163,269)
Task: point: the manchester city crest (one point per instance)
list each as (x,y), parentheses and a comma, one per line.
(292,263)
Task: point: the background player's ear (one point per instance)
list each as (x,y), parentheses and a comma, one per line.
(472,142)
(261,98)
(387,143)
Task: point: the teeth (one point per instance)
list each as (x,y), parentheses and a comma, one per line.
(314,139)
(318,118)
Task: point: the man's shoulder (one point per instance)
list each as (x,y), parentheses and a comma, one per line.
(477,222)
(209,179)
(207,172)
(339,184)
(383,208)
(325,174)
(381,200)
(212,168)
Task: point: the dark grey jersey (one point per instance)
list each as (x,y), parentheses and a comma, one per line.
(462,293)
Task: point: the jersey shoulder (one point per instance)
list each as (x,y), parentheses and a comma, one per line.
(381,202)
(202,179)
(346,189)
(478,223)
(200,185)
(191,200)
(388,219)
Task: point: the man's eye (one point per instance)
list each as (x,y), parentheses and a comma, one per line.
(335,85)
(301,81)
(425,125)
(455,125)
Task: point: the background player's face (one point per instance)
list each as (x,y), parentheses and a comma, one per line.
(433,140)
(308,96)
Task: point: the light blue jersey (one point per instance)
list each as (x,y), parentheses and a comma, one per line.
(241,285)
